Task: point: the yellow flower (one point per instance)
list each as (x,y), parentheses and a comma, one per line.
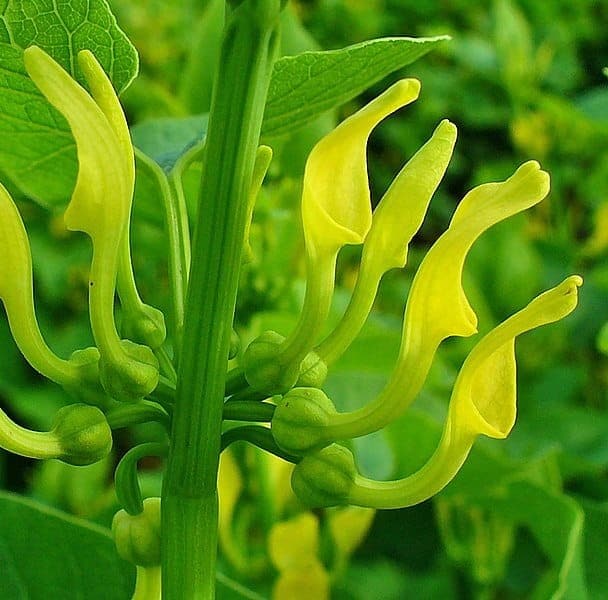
(395,221)
(483,402)
(437,308)
(293,547)
(17,295)
(100,207)
(336,210)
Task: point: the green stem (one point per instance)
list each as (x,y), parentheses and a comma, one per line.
(190,509)
(178,247)
(33,444)
(244,410)
(258,436)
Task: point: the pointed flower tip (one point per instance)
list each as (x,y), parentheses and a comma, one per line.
(560,301)
(535,179)
(447,131)
(336,207)
(484,397)
(404,91)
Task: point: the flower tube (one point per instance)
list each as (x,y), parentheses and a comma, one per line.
(483,402)
(145,323)
(100,207)
(17,295)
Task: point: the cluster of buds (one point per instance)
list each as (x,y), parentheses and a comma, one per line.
(336,211)
(115,370)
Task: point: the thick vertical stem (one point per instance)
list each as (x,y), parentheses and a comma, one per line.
(189,509)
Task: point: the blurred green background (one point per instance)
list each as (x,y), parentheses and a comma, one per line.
(521,80)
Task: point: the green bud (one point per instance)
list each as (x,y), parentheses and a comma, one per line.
(137,537)
(299,419)
(313,371)
(146,326)
(263,370)
(266,372)
(131,379)
(83,434)
(325,478)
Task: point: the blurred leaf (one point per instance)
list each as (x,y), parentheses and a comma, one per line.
(596,547)
(390,581)
(166,140)
(38,151)
(594,103)
(556,522)
(47,554)
(514,46)
(307,85)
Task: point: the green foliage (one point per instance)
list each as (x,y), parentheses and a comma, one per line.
(521,79)
(40,140)
(306,85)
(64,553)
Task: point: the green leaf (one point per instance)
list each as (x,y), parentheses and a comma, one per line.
(556,522)
(38,152)
(47,554)
(166,140)
(304,86)
(64,28)
(596,547)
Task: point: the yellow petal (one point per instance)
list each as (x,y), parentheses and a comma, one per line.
(16,271)
(17,294)
(394,223)
(101,200)
(349,526)
(336,207)
(303,583)
(294,543)
(230,485)
(483,402)
(401,211)
(484,397)
(437,306)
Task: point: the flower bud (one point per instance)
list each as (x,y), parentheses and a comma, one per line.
(263,370)
(146,326)
(325,478)
(132,378)
(137,537)
(299,419)
(83,434)
(313,371)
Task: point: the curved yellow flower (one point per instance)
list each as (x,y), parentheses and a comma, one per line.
(395,221)
(17,295)
(437,306)
(483,403)
(100,207)
(336,208)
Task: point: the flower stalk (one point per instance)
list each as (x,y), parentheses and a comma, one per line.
(190,502)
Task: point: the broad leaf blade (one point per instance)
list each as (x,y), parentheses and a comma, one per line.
(37,152)
(47,554)
(306,85)
(556,522)
(64,28)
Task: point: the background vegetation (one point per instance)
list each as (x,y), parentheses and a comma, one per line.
(526,518)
